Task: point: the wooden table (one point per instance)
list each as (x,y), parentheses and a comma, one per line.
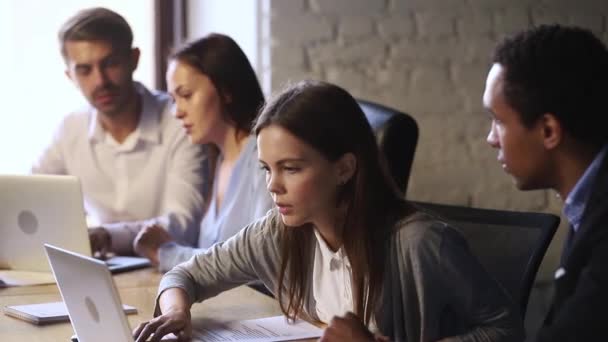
(146,277)
(138,289)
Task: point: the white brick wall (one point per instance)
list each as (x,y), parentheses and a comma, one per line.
(348,7)
(397,26)
(428,58)
(355,27)
(301,28)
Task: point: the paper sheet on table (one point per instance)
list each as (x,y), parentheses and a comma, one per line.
(25,278)
(257,330)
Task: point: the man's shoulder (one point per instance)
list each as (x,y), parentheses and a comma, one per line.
(160,97)
(596,212)
(77,119)
(595,219)
(157,104)
(157,98)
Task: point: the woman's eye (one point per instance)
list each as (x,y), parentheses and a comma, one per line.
(291,169)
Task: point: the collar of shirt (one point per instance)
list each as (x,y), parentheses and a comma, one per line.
(331,281)
(147,129)
(334,259)
(577,199)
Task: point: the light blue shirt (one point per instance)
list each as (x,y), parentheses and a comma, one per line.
(245,200)
(576,201)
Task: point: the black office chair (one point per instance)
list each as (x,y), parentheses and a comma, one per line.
(509,244)
(397,136)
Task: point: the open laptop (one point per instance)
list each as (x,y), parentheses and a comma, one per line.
(90,295)
(38,209)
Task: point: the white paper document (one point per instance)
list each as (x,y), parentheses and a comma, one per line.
(257,330)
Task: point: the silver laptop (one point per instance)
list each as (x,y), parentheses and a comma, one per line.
(90,295)
(38,209)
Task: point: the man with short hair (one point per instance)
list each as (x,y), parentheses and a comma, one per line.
(546,94)
(136,166)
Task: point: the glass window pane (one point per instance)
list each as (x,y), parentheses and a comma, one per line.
(35,90)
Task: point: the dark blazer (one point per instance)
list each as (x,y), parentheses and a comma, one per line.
(579,310)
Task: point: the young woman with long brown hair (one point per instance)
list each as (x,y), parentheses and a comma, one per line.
(342,240)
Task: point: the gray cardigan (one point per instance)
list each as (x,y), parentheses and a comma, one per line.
(433,288)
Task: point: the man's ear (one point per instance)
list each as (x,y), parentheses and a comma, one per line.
(346,167)
(68,74)
(551,131)
(135,53)
(227,97)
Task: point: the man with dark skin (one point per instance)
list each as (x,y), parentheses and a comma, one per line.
(546,95)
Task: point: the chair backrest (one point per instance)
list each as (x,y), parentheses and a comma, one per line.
(509,244)
(397,136)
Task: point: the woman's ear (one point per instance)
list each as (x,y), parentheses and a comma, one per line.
(346,167)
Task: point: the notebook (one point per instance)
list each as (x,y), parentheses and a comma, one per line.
(46,313)
(38,209)
(90,295)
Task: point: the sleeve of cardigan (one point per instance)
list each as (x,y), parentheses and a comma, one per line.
(439,275)
(250,255)
(474,295)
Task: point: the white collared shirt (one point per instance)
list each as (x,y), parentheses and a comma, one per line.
(154,177)
(331,285)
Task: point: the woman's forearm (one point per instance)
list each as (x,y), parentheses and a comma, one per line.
(174,299)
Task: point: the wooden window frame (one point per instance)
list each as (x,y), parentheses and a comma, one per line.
(170,32)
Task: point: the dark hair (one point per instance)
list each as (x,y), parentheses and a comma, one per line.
(221,59)
(329,119)
(97,23)
(559,70)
